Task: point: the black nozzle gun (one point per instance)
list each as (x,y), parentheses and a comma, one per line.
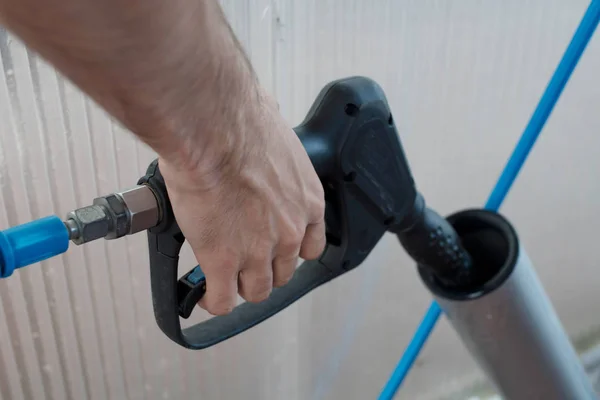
(350,137)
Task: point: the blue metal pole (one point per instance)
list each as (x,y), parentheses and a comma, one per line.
(533,129)
(412,351)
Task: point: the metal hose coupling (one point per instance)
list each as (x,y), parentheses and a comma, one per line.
(114,215)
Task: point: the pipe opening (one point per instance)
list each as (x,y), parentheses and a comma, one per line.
(493,245)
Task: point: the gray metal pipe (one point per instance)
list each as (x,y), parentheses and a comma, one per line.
(508,323)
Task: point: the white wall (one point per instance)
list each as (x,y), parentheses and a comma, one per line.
(462,78)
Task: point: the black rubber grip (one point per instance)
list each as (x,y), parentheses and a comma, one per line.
(308,276)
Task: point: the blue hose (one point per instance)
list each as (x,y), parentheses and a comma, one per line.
(545,106)
(29,243)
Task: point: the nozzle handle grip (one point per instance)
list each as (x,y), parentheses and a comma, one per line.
(167,306)
(351,140)
(173,298)
(310,275)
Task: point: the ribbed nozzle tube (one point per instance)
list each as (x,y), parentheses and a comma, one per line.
(433,243)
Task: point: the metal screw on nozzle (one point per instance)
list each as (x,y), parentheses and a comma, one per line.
(89,223)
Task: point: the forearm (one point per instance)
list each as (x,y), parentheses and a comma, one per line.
(162,68)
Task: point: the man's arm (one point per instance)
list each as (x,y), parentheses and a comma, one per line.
(243,189)
(160,67)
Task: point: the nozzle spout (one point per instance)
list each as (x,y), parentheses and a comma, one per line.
(434,244)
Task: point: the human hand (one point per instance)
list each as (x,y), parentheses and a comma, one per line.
(249,205)
(243,190)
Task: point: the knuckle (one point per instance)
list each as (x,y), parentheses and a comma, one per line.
(260,255)
(289,246)
(229,264)
(318,209)
(291,238)
(263,283)
(318,194)
(261,288)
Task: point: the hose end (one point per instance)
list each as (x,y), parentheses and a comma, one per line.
(29,243)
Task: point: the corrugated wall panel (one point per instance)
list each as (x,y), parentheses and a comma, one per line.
(462,79)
